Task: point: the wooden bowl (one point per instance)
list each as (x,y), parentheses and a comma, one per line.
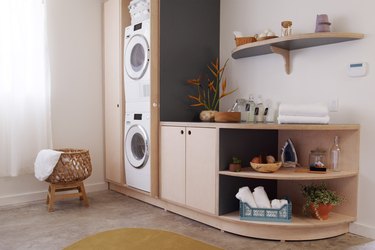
(227,116)
(266,167)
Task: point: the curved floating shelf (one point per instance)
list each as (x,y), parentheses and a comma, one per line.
(282,45)
(290,174)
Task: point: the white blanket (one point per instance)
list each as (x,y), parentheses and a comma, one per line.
(315,110)
(303,119)
(45,162)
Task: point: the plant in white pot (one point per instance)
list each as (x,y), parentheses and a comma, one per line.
(319,200)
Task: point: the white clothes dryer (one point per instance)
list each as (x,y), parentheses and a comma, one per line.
(137,151)
(137,76)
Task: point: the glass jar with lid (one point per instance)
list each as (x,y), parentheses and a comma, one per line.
(317,158)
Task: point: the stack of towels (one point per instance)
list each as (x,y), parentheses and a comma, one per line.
(139,11)
(303,113)
(259,198)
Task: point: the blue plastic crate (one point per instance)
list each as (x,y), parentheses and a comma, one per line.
(284,214)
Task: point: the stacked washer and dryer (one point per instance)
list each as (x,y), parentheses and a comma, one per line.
(137,82)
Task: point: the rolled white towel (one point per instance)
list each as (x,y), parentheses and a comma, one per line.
(244,194)
(276,204)
(45,162)
(303,119)
(261,198)
(316,109)
(283,202)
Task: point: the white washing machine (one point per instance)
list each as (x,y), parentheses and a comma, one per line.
(137,76)
(137,151)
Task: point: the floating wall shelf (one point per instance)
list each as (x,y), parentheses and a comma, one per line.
(282,45)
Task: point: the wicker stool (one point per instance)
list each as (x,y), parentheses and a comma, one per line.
(73,167)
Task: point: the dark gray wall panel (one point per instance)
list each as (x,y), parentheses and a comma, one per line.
(189,40)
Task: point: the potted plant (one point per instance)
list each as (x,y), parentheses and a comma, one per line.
(319,200)
(209,91)
(235,165)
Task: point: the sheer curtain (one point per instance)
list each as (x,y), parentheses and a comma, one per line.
(24,85)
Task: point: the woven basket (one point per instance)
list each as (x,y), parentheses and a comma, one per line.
(244,40)
(73,165)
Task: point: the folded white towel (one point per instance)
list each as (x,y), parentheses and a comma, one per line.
(317,109)
(303,119)
(45,162)
(261,198)
(244,194)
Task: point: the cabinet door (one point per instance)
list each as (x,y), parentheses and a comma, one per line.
(113,102)
(200,168)
(172,164)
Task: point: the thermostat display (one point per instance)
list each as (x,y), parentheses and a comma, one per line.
(357,69)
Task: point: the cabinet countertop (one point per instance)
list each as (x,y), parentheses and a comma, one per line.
(264,126)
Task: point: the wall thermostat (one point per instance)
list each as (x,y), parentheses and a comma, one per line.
(357,69)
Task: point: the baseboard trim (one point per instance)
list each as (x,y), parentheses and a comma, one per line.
(30,197)
(362,230)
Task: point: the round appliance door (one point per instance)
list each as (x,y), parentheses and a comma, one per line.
(136,57)
(136,146)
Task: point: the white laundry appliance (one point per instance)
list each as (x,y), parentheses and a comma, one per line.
(137,77)
(137,151)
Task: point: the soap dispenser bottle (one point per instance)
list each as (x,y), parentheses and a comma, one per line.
(259,110)
(250,109)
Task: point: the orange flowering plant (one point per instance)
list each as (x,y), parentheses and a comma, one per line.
(208,95)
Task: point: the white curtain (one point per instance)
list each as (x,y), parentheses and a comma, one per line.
(24,85)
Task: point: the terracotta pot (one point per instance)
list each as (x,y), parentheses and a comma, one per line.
(207,115)
(234,167)
(322,211)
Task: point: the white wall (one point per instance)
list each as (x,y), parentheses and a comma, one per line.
(75,38)
(317,74)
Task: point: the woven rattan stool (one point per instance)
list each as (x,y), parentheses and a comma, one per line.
(73,167)
(53,189)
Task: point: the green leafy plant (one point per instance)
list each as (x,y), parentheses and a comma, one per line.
(316,194)
(208,95)
(236,160)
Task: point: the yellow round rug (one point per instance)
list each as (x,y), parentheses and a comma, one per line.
(139,238)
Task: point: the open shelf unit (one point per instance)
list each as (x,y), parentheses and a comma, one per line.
(249,140)
(282,45)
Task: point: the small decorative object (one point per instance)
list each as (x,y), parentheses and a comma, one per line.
(207,115)
(208,90)
(241,39)
(270,159)
(235,166)
(322,23)
(286,28)
(317,160)
(319,200)
(335,155)
(289,155)
(267,34)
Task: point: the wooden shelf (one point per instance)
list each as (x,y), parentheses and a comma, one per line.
(301,227)
(289,174)
(282,45)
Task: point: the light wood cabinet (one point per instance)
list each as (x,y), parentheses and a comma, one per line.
(245,141)
(172,158)
(188,161)
(113,92)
